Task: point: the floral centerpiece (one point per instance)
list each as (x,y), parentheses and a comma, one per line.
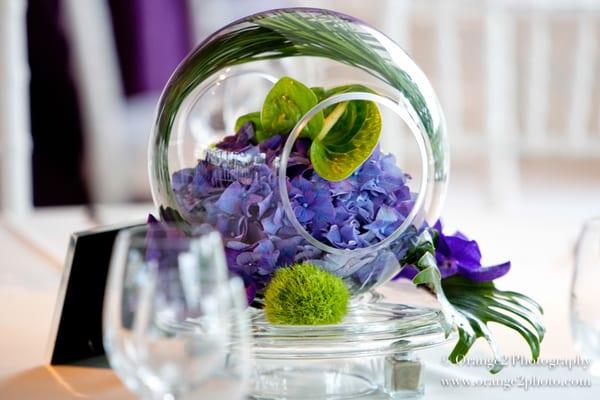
(312,207)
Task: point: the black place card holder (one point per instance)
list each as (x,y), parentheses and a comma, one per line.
(76,332)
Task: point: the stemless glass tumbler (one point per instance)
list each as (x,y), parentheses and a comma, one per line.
(585,296)
(175,324)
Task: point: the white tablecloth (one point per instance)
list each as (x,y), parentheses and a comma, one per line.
(539,242)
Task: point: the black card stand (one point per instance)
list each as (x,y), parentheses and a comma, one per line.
(76,333)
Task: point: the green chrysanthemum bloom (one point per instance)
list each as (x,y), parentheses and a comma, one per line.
(303,294)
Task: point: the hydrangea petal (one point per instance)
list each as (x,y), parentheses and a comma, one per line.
(230,200)
(182,178)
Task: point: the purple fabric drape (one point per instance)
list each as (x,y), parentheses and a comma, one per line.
(152,37)
(58,142)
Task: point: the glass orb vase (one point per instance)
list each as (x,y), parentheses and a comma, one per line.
(345,182)
(194,174)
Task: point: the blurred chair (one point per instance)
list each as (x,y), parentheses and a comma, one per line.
(533,95)
(103,104)
(15,138)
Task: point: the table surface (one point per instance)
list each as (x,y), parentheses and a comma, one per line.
(539,242)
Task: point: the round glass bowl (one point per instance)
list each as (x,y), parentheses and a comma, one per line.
(272,204)
(371,355)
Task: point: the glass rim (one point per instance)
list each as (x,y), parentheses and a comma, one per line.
(591,221)
(424,151)
(138,235)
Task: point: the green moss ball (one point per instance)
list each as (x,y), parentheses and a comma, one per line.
(304,294)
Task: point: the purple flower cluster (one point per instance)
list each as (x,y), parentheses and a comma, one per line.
(458,255)
(357,212)
(241,200)
(370,204)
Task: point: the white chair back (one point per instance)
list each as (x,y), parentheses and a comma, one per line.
(98,78)
(15,138)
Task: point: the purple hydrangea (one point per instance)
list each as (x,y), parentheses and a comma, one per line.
(239,142)
(258,259)
(259,238)
(312,204)
(386,222)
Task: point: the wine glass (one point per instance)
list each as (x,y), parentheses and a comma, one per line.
(174,323)
(585,297)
